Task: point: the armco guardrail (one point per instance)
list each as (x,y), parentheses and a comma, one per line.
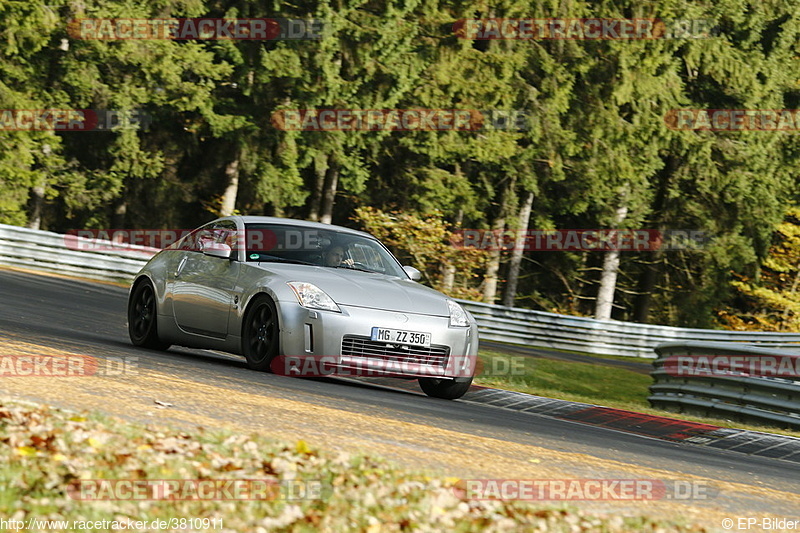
(601,337)
(67,254)
(98,259)
(743,383)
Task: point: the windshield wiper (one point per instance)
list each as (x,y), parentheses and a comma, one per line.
(355,268)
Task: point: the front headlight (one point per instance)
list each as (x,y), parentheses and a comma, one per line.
(311,296)
(458,316)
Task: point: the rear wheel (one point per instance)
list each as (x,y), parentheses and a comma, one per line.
(447,389)
(142,317)
(260,333)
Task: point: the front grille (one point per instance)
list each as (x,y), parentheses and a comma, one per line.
(357,346)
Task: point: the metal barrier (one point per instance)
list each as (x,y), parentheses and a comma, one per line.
(744,383)
(600,337)
(94,258)
(68,254)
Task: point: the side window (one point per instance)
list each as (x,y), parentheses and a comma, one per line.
(191,243)
(224,232)
(218,232)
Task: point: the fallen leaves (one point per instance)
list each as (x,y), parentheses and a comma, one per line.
(45,452)
(26,451)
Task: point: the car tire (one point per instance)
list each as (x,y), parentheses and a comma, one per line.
(260,333)
(143,317)
(447,389)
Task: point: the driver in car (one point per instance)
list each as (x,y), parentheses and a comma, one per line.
(334,257)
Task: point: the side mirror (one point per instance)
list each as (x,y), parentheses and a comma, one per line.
(413,273)
(221,250)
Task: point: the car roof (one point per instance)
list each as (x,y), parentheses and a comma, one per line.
(250,219)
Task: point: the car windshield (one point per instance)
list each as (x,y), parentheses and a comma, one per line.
(320,247)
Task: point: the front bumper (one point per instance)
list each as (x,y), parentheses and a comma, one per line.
(317,343)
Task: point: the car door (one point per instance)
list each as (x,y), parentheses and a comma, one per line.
(203,286)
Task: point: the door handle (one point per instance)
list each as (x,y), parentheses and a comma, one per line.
(180,266)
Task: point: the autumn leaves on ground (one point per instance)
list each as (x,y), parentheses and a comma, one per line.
(69,466)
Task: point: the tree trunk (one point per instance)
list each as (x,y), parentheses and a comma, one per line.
(647,284)
(316,192)
(232,190)
(448,269)
(649,278)
(448,277)
(490,280)
(329,193)
(493,268)
(515,263)
(608,279)
(37,204)
(37,194)
(120,210)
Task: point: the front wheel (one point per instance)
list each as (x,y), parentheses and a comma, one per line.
(260,334)
(447,389)
(142,317)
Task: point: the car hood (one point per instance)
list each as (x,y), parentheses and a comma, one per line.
(365,289)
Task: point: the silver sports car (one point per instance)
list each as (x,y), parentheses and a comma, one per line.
(303,299)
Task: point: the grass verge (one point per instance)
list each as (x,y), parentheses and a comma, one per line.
(588,383)
(46,451)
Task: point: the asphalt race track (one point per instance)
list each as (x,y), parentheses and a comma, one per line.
(454,438)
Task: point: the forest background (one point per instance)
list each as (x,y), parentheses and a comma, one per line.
(597,152)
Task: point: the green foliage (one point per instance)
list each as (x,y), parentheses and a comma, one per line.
(597,140)
(427,244)
(771,302)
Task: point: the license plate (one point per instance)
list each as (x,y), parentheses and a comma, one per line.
(398,336)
